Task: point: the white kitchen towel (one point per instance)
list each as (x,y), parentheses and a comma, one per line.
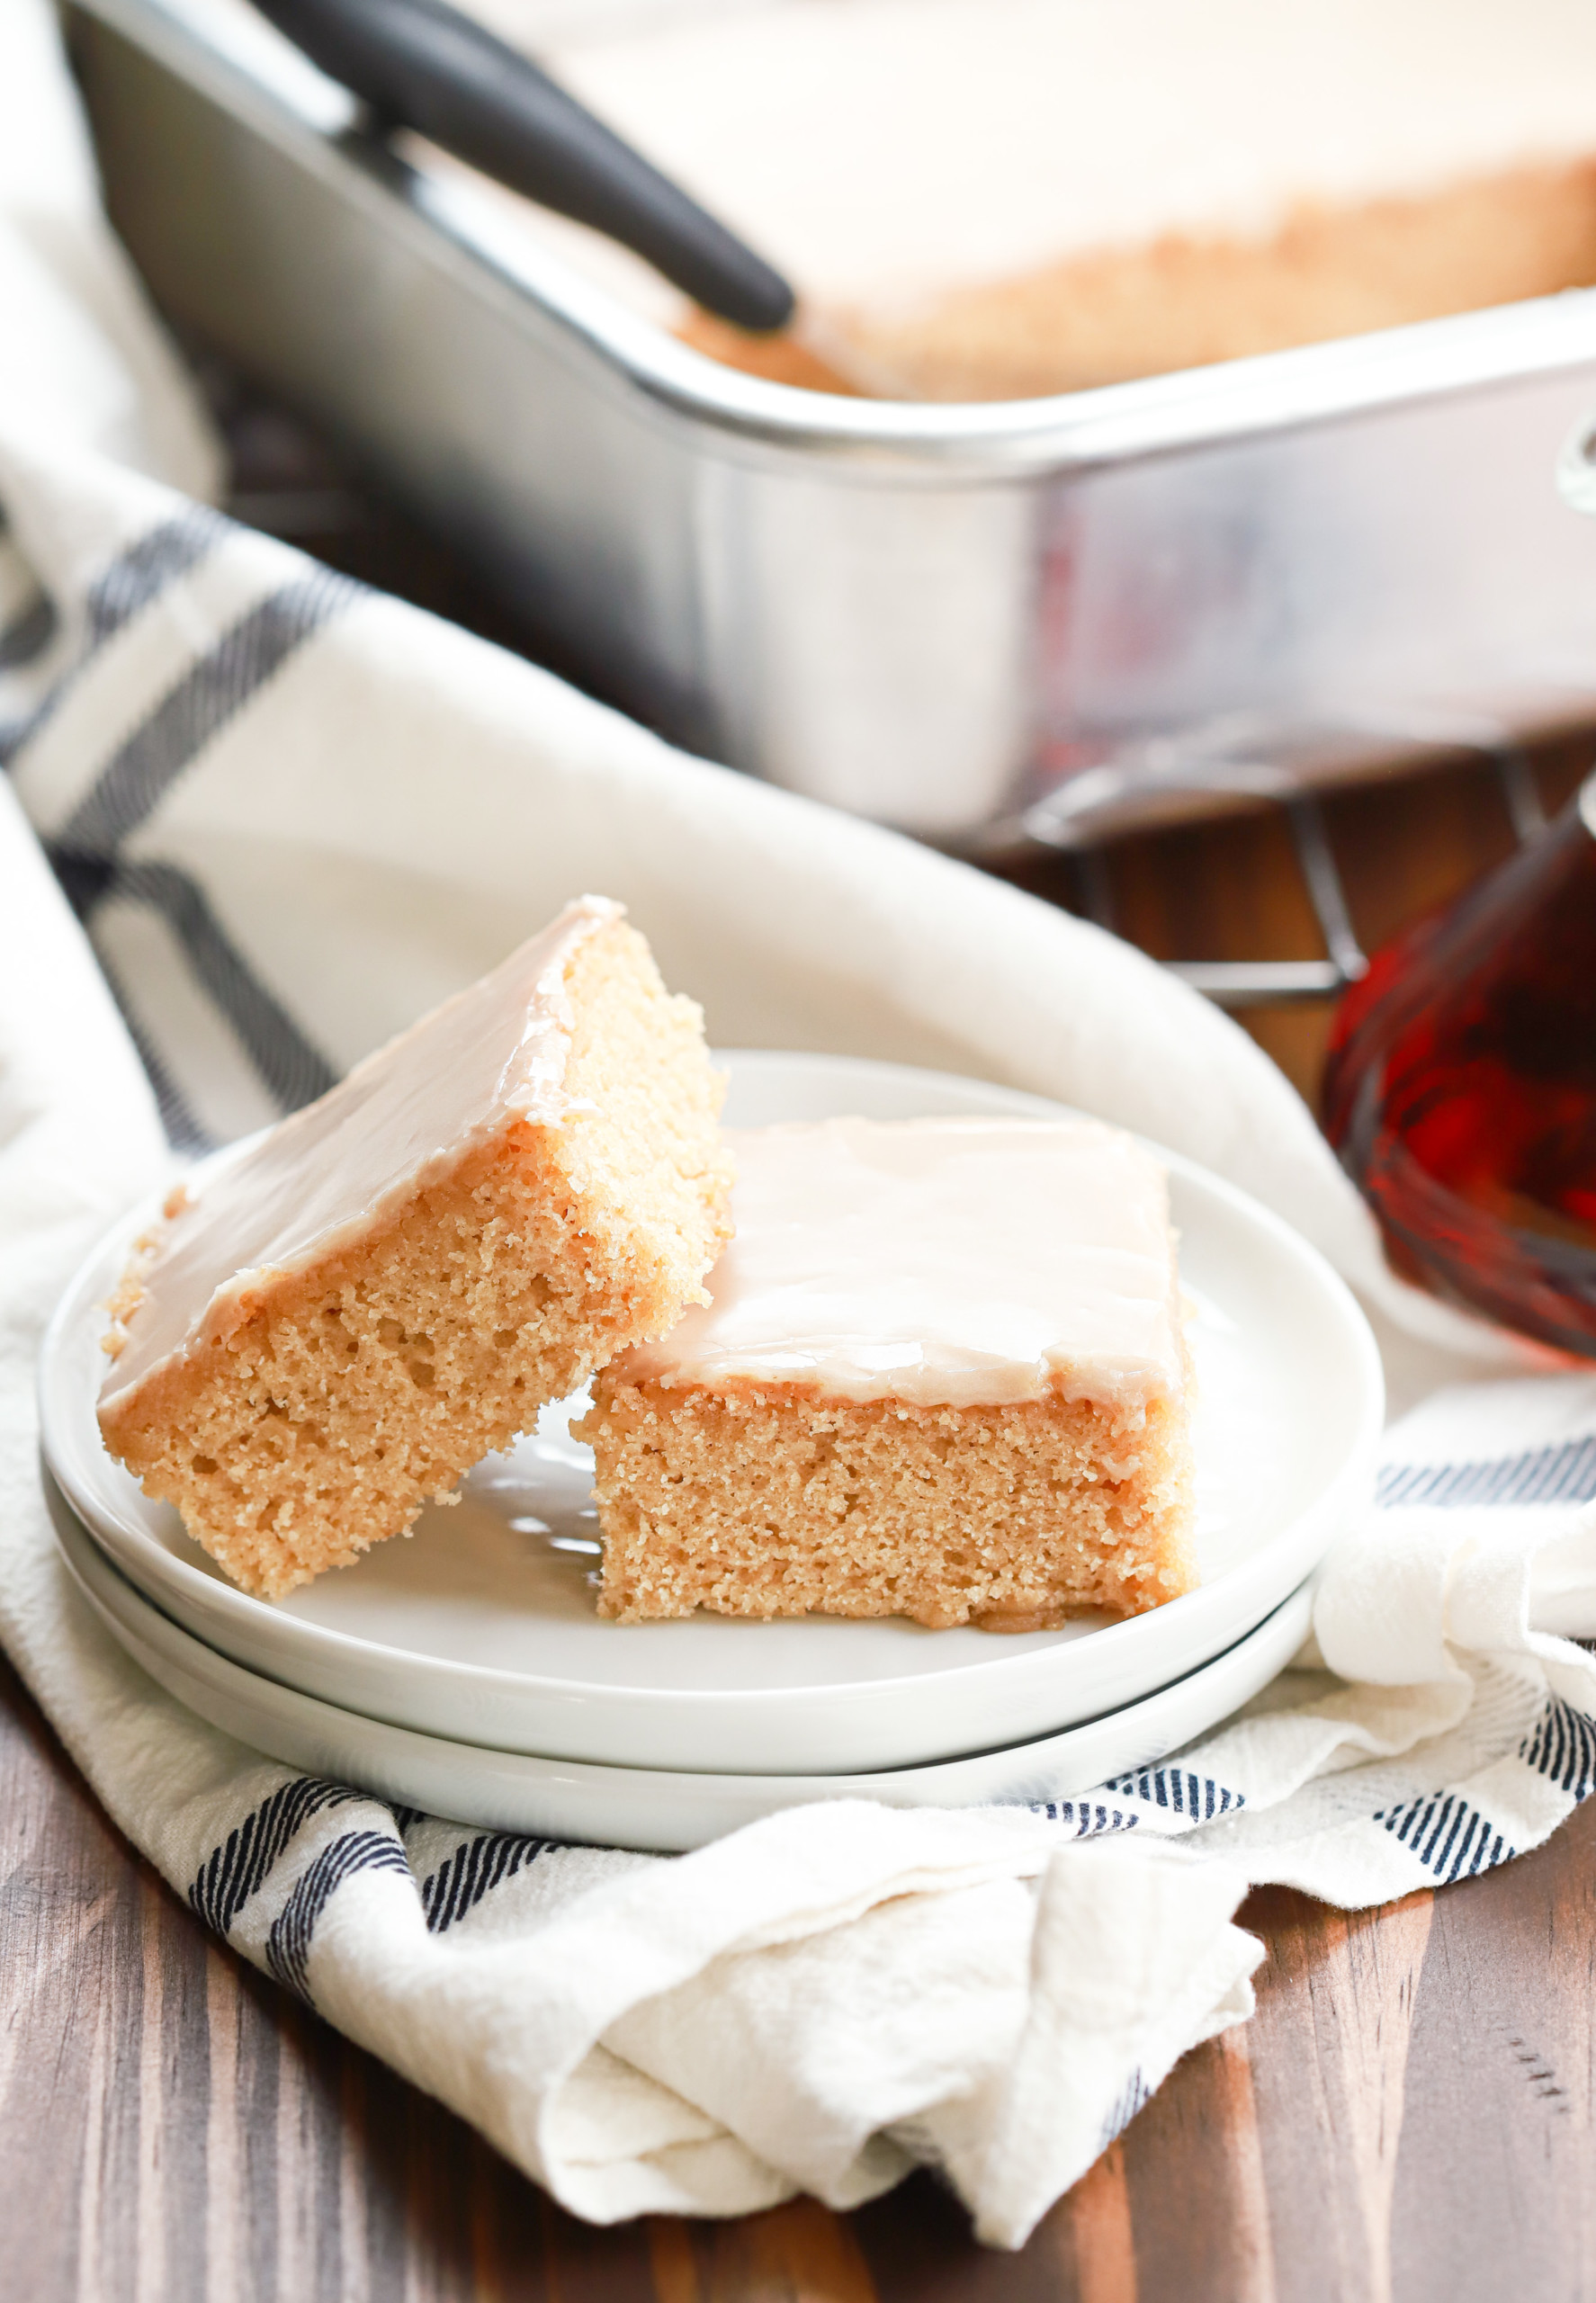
(829,1997)
(290,813)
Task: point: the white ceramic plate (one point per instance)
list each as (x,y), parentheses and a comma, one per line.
(626,1806)
(482,1628)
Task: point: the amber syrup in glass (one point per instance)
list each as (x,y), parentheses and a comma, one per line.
(1460,1091)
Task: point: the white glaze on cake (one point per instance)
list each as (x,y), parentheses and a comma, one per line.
(897,149)
(329,1175)
(966,1262)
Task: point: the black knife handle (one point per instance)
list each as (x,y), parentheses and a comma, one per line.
(421,65)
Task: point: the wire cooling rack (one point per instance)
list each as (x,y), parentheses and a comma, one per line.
(1061,822)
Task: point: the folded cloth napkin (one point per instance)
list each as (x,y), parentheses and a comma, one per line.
(288,813)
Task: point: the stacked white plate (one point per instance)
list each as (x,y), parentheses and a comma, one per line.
(465,1671)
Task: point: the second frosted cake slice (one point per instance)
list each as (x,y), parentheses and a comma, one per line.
(942,1375)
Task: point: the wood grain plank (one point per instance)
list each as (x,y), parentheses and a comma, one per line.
(1200,2210)
(59,1918)
(1493,2192)
(799,2253)
(180,2127)
(1330,2055)
(1102,2232)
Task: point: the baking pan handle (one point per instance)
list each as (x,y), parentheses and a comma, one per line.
(421,65)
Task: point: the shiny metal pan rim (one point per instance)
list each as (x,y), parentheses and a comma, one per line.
(245,67)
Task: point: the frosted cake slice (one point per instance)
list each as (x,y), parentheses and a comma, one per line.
(331,1329)
(942,1374)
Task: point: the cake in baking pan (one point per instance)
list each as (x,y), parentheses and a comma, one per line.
(326,1333)
(942,1374)
(987,199)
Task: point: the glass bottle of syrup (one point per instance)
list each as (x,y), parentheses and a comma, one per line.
(1460,1091)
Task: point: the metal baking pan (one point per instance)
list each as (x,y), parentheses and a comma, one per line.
(1040,620)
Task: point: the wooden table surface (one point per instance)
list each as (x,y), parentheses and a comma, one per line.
(1408,2117)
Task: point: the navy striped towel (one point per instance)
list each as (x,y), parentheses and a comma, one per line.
(284,815)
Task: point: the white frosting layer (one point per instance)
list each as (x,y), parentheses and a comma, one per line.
(958,1261)
(330,1173)
(882,149)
